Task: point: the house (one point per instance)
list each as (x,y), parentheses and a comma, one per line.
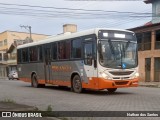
(148,38)
(8,54)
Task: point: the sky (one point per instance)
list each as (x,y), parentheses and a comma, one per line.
(48,16)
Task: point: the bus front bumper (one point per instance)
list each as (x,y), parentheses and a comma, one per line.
(101,83)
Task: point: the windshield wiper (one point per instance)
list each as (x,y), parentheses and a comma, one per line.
(100,51)
(127,45)
(123,50)
(112,48)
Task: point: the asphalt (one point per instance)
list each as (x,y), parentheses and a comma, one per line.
(11,106)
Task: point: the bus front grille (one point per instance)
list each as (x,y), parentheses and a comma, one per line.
(121,73)
(121,83)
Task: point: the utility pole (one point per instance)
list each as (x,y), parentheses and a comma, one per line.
(29,29)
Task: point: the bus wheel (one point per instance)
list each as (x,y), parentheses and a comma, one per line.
(41,85)
(34,81)
(76,84)
(111,90)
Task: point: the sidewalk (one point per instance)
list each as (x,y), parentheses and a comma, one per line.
(8,106)
(3,78)
(150,84)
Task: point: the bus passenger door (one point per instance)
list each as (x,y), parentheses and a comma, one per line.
(90,64)
(47,52)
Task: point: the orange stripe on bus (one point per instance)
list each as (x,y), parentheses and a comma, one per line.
(94,83)
(54,82)
(41,81)
(59,82)
(63,83)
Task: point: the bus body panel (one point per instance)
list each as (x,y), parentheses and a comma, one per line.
(25,70)
(59,71)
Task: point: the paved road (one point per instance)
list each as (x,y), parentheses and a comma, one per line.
(125,99)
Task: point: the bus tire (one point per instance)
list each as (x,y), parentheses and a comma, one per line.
(34,82)
(77,84)
(111,90)
(42,85)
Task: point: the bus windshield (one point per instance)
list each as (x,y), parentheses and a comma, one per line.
(118,54)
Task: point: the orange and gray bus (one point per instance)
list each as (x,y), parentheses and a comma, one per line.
(96,59)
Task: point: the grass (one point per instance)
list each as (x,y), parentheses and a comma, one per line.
(49,108)
(36,108)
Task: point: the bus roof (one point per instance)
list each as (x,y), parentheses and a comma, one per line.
(67,36)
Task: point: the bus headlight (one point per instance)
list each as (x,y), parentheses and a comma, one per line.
(105,76)
(136,75)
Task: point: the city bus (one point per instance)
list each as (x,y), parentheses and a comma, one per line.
(96,59)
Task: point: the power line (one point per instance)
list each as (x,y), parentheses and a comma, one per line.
(71,9)
(102,14)
(77,13)
(66,14)
(116,23)
(54,12)
(111,23)
(49,11)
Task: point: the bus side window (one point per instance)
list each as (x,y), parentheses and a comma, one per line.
(76,48)
(40,57)
(54,51)
(88,53)
(64,50)
(33,54)
(19,56)
(25,55)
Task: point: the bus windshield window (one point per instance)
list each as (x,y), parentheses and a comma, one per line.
(118,54)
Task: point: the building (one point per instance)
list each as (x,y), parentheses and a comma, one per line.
(9,40)
(148,37)
(155,10)
(69,28)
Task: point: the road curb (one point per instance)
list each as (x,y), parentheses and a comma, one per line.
(150,85)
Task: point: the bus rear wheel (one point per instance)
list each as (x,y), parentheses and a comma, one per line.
(111,90)
(76,84)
